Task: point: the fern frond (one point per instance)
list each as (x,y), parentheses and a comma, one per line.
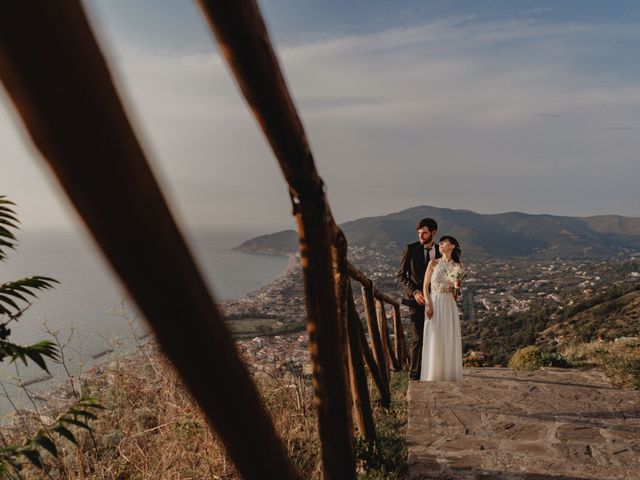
(36,352)
(7,220)
(11,292)
(44,439)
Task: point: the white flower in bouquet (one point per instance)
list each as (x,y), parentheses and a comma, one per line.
(455,276)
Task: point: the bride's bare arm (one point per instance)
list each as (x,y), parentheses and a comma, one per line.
(427,282)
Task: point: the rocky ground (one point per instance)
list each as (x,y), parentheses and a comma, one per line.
(501,424)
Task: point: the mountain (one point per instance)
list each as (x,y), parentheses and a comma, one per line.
(279,243)
(511,234)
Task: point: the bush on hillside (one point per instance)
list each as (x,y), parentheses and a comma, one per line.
(533,358)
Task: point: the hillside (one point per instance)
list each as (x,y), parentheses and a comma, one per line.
(610,318)
(611,314)
(279,243)
(510,234)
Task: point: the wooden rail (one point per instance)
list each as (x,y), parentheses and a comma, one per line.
(54,72)
(60,84)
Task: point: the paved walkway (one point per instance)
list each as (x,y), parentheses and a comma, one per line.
(501,424)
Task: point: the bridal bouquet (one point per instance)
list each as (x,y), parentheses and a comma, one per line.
(455,276)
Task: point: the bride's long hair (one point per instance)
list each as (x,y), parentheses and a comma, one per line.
(457,251)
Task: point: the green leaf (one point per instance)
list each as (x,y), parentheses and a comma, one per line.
(46,443)
(37,358)
(90,402)
(9,301)
(33,456)
(35,352)
(83,413)
(20,354)
(6,233)
(13,293)
(66,433)
(4,221)
(75,422)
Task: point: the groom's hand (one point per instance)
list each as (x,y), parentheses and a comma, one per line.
(419,297)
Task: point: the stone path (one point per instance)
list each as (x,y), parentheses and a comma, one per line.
(501,424)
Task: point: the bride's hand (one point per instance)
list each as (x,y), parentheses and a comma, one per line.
(429,310)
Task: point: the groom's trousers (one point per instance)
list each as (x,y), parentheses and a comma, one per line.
(415,349)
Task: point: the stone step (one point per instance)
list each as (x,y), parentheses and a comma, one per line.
(502,424)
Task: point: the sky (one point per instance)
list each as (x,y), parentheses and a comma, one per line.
(486,105)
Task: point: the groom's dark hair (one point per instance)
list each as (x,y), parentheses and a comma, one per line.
(430,223)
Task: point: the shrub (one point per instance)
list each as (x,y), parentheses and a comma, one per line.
(527,358)
(533,357)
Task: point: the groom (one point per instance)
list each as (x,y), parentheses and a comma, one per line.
(413,265)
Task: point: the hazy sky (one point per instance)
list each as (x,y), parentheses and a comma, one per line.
(486,105)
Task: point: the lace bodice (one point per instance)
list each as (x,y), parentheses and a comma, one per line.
(439,281)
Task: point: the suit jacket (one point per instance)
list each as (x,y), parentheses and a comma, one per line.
(412,269)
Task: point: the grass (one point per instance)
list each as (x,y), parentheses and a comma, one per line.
(619,360)
(387,459)
(151,428)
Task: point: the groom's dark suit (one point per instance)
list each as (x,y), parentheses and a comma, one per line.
(413,265)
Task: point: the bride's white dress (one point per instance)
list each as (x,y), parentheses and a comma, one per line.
(442,344)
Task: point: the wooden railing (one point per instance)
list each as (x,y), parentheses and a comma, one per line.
(379,363)
(54,72)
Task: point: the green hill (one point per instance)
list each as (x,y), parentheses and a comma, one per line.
(609,315)
(512,234)
(616,315)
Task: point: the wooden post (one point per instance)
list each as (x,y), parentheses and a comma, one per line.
(245,44)
(383,388)
(374,333)
(342,288)
(59,82)
(386,340)
(398,334)
(384,335)
(357,374)
(325,346)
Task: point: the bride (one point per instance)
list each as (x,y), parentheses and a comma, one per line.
(442,347)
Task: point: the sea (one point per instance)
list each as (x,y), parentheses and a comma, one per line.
(90,313)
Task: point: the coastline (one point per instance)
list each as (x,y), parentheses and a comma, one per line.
(253,305)
(281,349)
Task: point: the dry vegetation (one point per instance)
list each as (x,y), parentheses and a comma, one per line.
(619,360)
(151,429)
